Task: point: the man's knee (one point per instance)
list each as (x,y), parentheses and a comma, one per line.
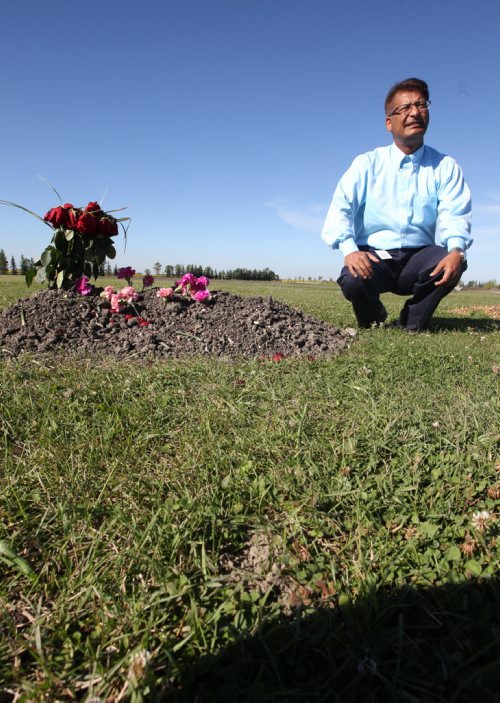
(435,258)
(353,286)
(432,256)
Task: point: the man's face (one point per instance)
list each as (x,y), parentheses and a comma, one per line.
(408,128)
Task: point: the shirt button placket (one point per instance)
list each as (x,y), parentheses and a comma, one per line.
(404,188)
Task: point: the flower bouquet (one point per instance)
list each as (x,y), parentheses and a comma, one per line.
(81,242)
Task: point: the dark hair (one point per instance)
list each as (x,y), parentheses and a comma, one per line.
(410,84)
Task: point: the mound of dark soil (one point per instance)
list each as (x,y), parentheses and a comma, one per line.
(226,326)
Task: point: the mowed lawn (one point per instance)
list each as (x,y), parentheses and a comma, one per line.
(255,531)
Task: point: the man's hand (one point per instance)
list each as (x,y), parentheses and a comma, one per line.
(451,265)
(358,263)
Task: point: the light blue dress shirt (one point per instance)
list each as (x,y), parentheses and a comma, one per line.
(390,200)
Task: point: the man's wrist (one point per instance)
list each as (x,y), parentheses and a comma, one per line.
(348,246)
(459,250)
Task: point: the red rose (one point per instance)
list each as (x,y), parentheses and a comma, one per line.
(73,217)
(68,206)
(58,217)
(108,227)
(87,224)
(92,207)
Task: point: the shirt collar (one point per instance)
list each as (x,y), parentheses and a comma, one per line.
(397,156)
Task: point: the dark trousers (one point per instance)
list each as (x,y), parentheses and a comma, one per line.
(407,272)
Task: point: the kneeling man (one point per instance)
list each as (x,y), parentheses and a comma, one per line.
(387,210)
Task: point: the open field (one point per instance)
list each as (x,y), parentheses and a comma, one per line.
(256,531)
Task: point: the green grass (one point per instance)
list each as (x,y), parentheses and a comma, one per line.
(127,490)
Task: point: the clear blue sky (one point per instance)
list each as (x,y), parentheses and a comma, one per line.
(224,125)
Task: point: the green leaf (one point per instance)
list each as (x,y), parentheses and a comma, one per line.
(30,275)
(50,273)
(60,278)
(473,567)
(453,553)
(59,240)
(89,255)
(46,257)
(69,234)
(100,245)
(78,247)
(41,275)
(428,529)
(111,251)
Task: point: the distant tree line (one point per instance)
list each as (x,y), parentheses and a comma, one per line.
(177,270)
(25,264)
(485,285)
(170,271)
(12,267)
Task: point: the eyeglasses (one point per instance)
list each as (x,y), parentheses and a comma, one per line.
(421,105)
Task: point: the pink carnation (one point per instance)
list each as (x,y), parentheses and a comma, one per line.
(115,303)
(189,279)
(82,285)
(164,293)
(190,285)
(107,292)
(201,295)
(129,294)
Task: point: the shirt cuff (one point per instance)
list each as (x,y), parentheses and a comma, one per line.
(348,246)
(453,242)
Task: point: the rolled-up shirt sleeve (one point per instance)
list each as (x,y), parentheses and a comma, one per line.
(454,209)
(338,231)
